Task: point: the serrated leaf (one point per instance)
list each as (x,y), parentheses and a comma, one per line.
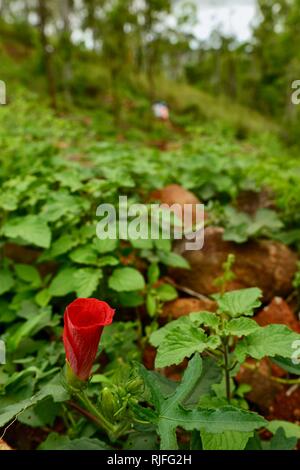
(86,281)
(211,374)
(62,245)
(31,228)
(240,327)
(171,413)
(205,318)
(159,335)
(181,343)
(173,259)
(6,281)
(239,302)
(63,283)
(126,279)
(227,440)
(271,340)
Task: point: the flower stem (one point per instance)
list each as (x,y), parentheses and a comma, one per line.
(227,368)
(93,410)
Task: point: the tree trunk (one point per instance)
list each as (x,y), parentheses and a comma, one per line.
(47,59)
(66,47)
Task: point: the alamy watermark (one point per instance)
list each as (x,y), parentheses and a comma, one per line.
(2,92)
(295,98)
(296,354)
(2,352)
(152,221)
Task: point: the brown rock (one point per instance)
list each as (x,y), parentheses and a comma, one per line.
(266,264)
(20,253)
(26,255)
(264,389)
(176,194)
(279,312)
(286,406)
(250,201)
(180,307)
(4,446)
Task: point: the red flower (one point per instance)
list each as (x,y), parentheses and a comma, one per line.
(84,321)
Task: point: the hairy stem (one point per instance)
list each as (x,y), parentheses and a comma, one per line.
(227,369)
(99,419)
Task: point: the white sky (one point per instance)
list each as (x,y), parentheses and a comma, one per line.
(232,17)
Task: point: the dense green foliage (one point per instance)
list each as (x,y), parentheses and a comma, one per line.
(72,140)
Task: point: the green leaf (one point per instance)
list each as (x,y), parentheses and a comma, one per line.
(107,260)
(205,318)
(62,245)
(126,279)
(43,297)
(84,255)
(142,244)
(6,281)
(163,245)
(159,335)
(240,327)
(70,179)
(265,220)
(105,246)
(42,414)
(290,429)
(131,299)
(166,292)
(53,389)
(181,343)
(211,374)
(63,283)
(28,274)
(173,259)
(227,440)
(142,441)
(271,340)
(281,442)
(153,273)
(31,228)
(151,305)
(170,412)
(86,281)
(239,302)
(29,328)
(57,441)
(287,364)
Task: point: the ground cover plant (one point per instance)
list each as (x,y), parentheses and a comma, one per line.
(131,344)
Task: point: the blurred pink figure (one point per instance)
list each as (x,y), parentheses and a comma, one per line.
(161,111)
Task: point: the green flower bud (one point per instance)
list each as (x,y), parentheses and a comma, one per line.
(109,404)
(134,386)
